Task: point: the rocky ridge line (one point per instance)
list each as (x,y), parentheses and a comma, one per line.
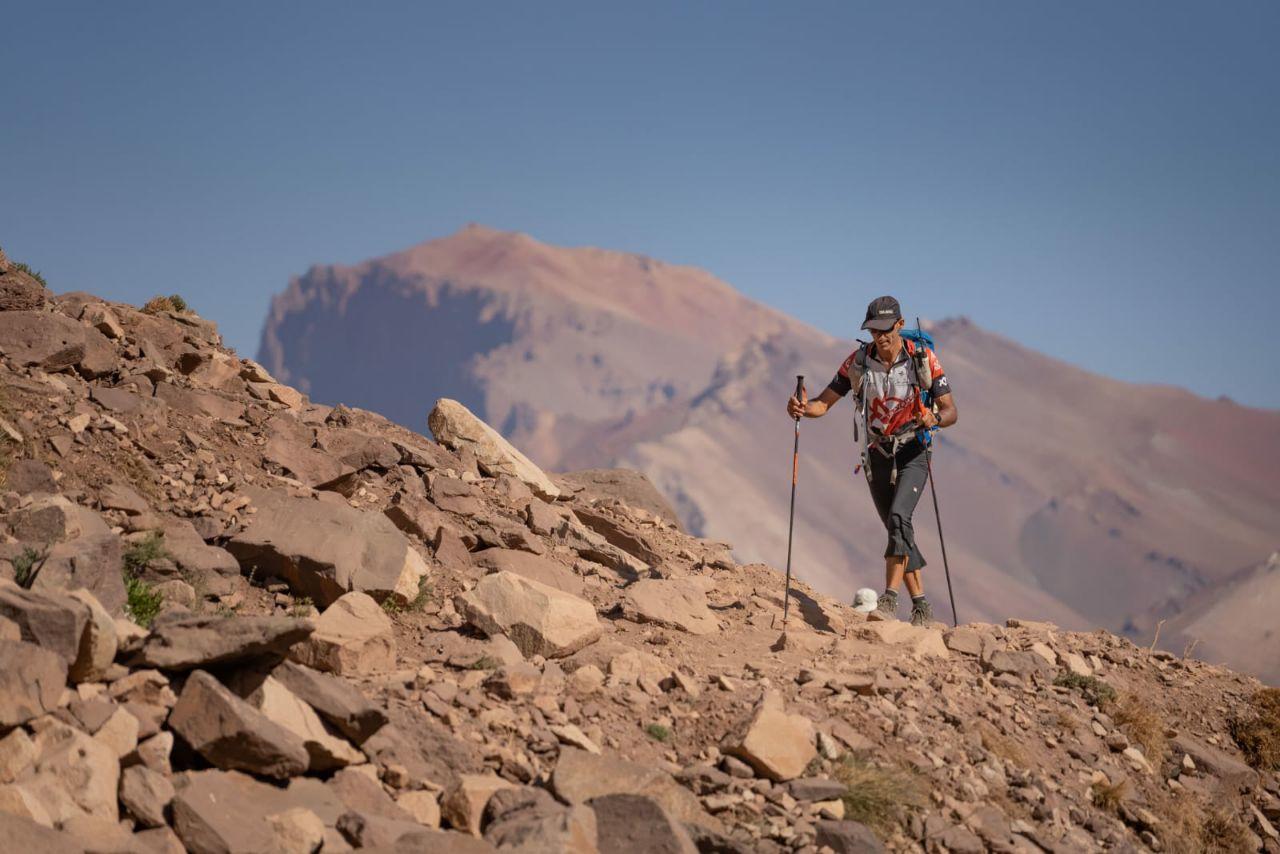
(364,639)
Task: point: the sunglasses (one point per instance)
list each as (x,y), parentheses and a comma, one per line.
(877,333)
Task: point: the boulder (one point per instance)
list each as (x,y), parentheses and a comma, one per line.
(416,516)
(463,804)
(278,704)
(231,734)
(353,635)
(17,752)
(200,403)
(337,701)
(54,342)
(374,831)
(19,290)
(360,792)
(580,776)
(215,812)
(776,744)
(303,462)
(921,642)
(357,450)
(296,831)
(1022,664)
(638,823)
(51,519)
(531,566)
(619,534)
(191,642)
(193,556)
(680,603)
(98,642)
(422,805)
(73,775)
(119,496)
(847,837)
(456,427)
(529,819)
(30,476)
(23,834)
(540,620)
(326,549)
(630,487)
(31,682)
(146,795)
(90,563)
(55,622)
(119,733)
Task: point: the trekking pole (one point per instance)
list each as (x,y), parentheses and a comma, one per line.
(791,523)
(928,458)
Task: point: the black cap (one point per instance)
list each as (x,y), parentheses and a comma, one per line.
(882,314)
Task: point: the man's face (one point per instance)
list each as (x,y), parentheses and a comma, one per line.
(886,340)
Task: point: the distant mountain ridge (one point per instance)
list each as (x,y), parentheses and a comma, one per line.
(1067,495)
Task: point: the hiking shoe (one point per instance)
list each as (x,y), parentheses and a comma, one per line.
(921,613)
(886,608)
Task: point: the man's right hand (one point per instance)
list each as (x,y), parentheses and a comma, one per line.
(796,406)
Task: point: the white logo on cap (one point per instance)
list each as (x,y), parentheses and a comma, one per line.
(886,311)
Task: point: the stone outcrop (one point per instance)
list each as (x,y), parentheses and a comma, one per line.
(324,550)
(778,745)
(541,620)
(353,635)
(185,644)
(455,427)
(233,735)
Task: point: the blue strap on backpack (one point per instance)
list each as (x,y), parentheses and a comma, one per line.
(920,338)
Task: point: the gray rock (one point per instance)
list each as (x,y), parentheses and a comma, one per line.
(638,823)
(847,837)
(31,682)
(231,734)
(337,701)
(187,643)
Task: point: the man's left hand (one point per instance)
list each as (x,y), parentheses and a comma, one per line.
(928,419)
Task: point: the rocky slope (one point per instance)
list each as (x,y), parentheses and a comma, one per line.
(1066,495)
(235,620)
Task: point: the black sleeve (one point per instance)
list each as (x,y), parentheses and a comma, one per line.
(941,387)
(840,384)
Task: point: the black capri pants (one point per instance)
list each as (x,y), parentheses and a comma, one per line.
(896,501)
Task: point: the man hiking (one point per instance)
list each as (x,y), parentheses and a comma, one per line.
(886,377)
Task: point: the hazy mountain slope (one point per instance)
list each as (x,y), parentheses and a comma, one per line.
(1064,494)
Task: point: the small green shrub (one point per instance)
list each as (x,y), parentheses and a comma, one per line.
(392,606)
(424,595)
(143,601)
(140,554)
(25,566)
(1097,692)
(35,274)
(658,732)
(485,662)
(301,607)
(179,304)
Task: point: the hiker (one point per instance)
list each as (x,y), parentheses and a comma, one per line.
(885,377)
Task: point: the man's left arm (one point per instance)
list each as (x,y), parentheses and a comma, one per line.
(940,394)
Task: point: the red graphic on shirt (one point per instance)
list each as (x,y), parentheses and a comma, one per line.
(891,414)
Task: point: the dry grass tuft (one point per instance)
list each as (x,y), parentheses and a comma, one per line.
(1181,822)
(1258,734)
(880,798)
(1142,723)
(1107,796)
(1003,747)
(173,303)
(1223,833)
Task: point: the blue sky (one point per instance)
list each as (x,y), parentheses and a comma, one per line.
(1098,180)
